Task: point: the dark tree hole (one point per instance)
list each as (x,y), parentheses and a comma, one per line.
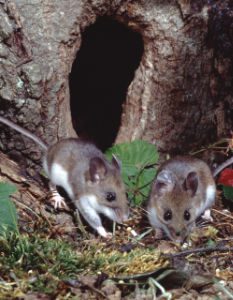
(101,73)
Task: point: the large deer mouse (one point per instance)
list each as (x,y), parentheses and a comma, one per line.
(183,189)
(92,183)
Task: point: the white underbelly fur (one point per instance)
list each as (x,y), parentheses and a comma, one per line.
(59,176)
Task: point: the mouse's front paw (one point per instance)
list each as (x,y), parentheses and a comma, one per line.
(207,215)
(58,201)
(101,231)
(108,236)
(159,234)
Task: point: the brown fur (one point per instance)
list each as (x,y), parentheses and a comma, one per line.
(74,155)
(179,192)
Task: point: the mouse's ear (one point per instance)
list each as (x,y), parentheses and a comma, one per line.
(97,169)
(164,182)
(116,162)
(190,183)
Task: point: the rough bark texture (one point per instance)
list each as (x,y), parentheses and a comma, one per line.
(171,101)
(28,199)
(168,102)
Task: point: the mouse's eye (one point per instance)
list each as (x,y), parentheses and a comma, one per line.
(110,196)
(167,215)
(187,215)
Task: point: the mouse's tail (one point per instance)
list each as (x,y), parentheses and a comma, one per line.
(222,166)
(24,132)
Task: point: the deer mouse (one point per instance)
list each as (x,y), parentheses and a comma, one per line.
(92,182)
(183,189)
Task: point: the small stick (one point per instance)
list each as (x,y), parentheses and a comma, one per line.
(75,283)
(141,276)
(199,250)
(223,224)
(94,289)
(80,223)
(222,213)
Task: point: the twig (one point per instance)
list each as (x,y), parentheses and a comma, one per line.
(199,250)
(224,289)
(80,224)
(93,289)
(141,276)
(142,235)
(114,230)
(75,283)
(225,224)
(222,213)
(24,206)
(156,284)
(210,146)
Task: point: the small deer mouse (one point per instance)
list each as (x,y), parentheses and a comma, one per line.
(92,183)
(183,189)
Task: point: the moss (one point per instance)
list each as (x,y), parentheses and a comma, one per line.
(37,264)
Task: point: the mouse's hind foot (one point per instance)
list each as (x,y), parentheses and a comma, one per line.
(57,200)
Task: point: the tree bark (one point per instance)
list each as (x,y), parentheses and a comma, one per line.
(173,101)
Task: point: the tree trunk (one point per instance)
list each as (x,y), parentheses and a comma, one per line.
(113,71)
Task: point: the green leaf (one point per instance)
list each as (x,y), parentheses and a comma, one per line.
(138,159)
(142,186)
(8,214)
(136,154)
(228,192)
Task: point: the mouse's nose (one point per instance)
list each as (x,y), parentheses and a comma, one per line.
(121,215)
(179,236)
